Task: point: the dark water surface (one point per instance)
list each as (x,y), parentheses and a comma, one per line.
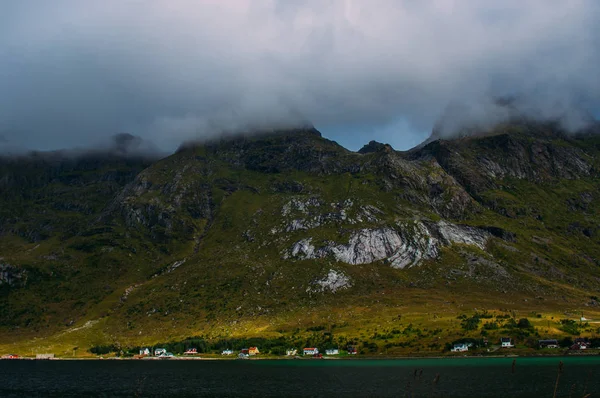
(458,377)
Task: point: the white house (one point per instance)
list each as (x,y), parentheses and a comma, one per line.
(332,351)
(291,352)
(227,352)
(461,347)
(311,351)
(160,351)
(552,343)
(506,342)
(145,351)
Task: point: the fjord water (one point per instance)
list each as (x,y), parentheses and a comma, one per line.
(458,377)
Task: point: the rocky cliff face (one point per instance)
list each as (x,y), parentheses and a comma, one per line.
(530,152)
(403,245)
(60,194)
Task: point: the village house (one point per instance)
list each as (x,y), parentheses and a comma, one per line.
(580,344)
(227,352)
(160,351)
(253,351)
(10,356)
(244,353)
(552,343)
(506,342)
(145,352)
(460,347)
(311,351)
(291,352)
(332,351)
(191,351)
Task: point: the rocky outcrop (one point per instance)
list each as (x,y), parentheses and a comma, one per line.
(165,207)
(308,213)
(333,282)
(404,245)
(11,275)
(526,152)
(374,146)
(423,182)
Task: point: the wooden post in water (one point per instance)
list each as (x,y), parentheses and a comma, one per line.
(560,370)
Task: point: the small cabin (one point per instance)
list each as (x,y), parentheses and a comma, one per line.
(245,351)
(461,347)
(191,351)
(551,343)
(506,342)
(332,351)
(311,351)
(351,350)
(253,351)
(160,351)
(145,352)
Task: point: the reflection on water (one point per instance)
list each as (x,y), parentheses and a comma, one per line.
(460,377)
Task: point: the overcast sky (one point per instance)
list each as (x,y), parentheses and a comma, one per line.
(73,73)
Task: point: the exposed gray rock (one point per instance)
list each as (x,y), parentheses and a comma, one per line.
(297,225)
(175,265)
(333,281)
(418,244)
(368,245)
(300,205)
(303,249)
(305,214)
(403,245)
(451,233)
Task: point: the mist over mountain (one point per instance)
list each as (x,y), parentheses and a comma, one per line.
(461,119)
(184,70)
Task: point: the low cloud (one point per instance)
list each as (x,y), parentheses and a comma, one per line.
(169,71)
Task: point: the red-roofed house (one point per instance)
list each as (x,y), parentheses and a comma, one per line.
(311,351)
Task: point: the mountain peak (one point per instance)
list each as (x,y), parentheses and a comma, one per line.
(374,146)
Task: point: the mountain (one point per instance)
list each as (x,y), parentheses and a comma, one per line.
(287,234)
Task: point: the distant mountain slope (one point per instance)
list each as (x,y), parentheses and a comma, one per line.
(270,233)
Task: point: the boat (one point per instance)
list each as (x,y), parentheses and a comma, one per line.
(166,355)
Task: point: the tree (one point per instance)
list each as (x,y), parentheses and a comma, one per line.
(524,324)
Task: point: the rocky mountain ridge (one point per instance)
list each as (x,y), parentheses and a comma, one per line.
(245,230)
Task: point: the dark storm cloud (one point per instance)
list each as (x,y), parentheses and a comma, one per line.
(76,72)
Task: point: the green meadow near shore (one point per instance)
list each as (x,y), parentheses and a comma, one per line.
(286,239)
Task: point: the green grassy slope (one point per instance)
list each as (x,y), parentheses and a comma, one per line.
(199,243)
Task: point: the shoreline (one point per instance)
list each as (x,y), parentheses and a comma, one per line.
(300,358)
